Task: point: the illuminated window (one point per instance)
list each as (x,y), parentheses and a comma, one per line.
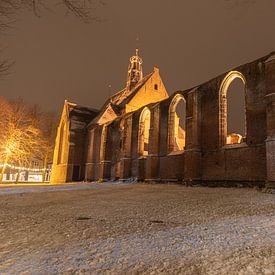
(144,132)
(177,124)
(103,142)
(61,144)
(232,109)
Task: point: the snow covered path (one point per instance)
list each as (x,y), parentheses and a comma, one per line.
(209,244)
(6,189)
(138,228)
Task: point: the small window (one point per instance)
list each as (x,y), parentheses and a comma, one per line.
(156,87)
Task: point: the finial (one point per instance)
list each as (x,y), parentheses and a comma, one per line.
(136,51)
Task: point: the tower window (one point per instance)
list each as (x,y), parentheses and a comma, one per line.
(156,87)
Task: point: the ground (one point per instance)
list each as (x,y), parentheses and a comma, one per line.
(136,228)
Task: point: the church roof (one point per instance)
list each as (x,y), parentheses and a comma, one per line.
(117,102)
(124,95)
(124,99)
(80,116)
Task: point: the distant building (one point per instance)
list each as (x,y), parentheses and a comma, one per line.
(33,172)
(138,133)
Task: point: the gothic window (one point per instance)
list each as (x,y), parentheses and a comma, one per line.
(121,136)
(103,142)
(177,124)
(61,144)
(144,132)
(232,115)
(156,87)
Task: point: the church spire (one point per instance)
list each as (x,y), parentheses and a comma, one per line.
(134,71)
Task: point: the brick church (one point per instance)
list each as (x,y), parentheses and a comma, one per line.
(140,133)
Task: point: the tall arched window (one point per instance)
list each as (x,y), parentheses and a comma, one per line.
(144,132)
(177,124)
(232,116)
(60,157)
(103,143)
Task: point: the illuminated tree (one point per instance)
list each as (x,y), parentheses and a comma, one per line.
(5,113)
(48,125)
(21,139)
(5,117)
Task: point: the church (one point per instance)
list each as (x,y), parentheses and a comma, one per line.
(141,134)
(81,152)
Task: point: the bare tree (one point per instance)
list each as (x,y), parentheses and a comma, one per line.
(26,134)
(5,117)
(5,66)
(83,9)
(21,139)
(48,126)
(9,10)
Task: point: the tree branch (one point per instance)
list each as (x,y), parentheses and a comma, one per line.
(5,66)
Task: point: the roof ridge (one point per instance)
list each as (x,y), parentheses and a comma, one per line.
(122,90)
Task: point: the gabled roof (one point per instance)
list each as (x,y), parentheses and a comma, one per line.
(116,103)
(79,116)
(109,113)
(134,91)
(120,97)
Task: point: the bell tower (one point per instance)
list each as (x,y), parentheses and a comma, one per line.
(134,71)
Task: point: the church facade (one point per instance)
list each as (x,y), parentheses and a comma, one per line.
(139,132)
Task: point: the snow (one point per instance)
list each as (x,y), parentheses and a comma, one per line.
(122,228)
(270,58)
(40,188)
(179,244)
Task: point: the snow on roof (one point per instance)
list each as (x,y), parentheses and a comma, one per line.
(271,57)
(80,116)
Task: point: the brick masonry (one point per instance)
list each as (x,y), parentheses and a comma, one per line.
(205,160)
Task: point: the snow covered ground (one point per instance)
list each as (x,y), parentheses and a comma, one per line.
(6,189)
(137,228)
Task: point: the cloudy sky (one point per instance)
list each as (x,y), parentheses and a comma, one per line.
(59,57)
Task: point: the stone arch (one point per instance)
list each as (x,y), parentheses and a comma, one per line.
(223,110)
(144,132)
(176,134)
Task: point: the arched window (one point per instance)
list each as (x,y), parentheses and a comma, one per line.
(144,132)
(121,135)
(177,124)
(232,117)
(60,158)
(103,143)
